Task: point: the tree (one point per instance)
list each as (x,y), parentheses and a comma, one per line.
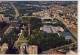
(32,23)
(46,41)
(21,39)
(27,21)
(10,37)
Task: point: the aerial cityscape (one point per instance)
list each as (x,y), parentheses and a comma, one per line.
(38,27)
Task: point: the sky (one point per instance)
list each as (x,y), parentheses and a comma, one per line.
(38,0)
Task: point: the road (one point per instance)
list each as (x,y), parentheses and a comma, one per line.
(15,9)
(74,38)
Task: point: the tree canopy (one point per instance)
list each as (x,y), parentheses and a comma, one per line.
(46,41)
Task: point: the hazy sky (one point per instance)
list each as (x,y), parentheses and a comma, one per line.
(38,0)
